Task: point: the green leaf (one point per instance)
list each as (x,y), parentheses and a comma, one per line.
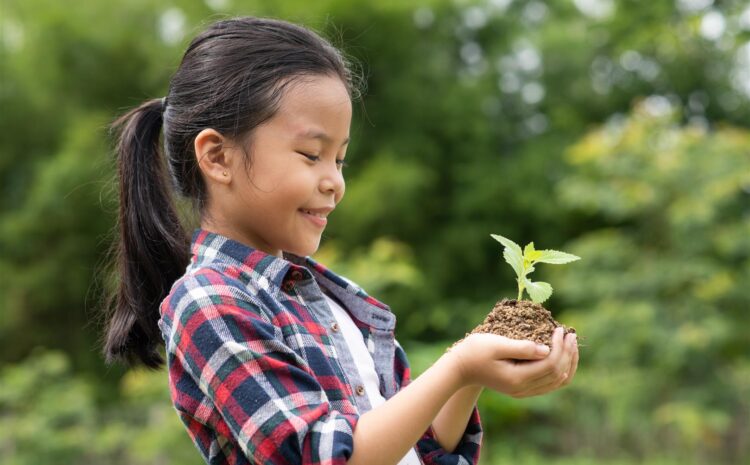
(514,259)
(507,243)
(538,291)
(512,253)
(530,255)
(528,249)
(555,257)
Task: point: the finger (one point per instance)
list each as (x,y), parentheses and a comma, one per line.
(562,368)
(555,379)
(540,385)
(556,368)
(521,350)
(540,372)
(543,385)
(534,374)
(573,363)
(550,382)
(558,347)
(558,344)
(567,357)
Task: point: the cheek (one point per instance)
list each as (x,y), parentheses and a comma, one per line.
(342,191)
(278,185)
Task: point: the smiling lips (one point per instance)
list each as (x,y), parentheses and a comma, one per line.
(317,215)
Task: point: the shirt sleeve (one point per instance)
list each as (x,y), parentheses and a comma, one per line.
(428,447)
(272,404)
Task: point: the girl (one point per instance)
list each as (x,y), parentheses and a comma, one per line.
(273,358)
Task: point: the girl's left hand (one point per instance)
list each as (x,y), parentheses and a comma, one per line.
(554,371)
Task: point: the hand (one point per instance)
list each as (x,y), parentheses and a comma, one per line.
(517,368)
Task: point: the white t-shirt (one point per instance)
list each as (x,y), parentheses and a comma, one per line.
(365,365)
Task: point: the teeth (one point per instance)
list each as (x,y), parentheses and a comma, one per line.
(319,215)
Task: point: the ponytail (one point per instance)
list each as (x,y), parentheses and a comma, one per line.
(153,248)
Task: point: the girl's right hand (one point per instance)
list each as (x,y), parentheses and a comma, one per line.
(516,368)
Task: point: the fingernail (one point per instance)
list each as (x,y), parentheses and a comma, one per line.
(542,349)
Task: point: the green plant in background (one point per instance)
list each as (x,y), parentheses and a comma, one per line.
(523,263)
(43,397)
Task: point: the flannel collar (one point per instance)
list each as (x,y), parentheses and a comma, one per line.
(208,247)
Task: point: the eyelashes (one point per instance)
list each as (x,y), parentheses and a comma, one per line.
(341,163)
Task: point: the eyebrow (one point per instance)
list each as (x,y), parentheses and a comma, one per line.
(315,134)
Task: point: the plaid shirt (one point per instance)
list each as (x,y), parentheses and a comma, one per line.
(259,373)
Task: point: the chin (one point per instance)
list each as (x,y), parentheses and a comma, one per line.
(305,250)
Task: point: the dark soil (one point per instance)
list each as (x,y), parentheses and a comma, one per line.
(520,320)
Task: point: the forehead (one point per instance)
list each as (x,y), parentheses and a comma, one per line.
(312,103)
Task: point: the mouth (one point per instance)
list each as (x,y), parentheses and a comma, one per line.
(319,214)
(318,219)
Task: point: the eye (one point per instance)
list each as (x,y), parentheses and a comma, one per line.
(311,157)
(342,163)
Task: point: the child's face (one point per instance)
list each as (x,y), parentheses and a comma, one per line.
(267,204)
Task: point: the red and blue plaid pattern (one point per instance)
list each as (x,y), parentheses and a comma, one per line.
(254,376)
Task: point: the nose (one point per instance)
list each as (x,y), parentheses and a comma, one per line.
(332,180)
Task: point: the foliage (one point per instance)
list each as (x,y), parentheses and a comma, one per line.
(523,263)
(663,299)
(49,415)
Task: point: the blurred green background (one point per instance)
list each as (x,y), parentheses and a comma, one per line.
(617,131)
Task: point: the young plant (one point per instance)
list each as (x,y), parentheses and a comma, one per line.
(523,263)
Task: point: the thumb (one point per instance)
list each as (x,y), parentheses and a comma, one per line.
(523,350)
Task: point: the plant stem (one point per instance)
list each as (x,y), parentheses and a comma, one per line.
(520,290)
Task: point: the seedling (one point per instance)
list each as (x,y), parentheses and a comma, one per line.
(523,264)
(523,319)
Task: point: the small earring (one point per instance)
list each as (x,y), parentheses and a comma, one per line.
(225,173)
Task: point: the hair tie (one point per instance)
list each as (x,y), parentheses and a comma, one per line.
(163,103)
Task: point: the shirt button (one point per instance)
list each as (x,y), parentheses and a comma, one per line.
(288,286)
(335,327)
(360,390)
(296,275)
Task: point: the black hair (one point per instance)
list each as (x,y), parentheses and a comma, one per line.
(231,78)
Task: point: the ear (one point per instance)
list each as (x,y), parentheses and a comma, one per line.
(213,155)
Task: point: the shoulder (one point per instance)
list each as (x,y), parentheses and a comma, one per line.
(350,282)
(202,284)
(209,293)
